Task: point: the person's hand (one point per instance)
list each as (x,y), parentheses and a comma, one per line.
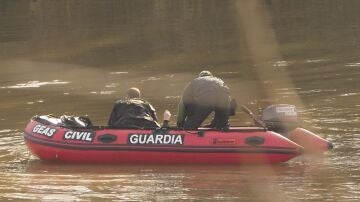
(167,115)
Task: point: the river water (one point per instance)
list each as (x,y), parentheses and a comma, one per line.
(78,57)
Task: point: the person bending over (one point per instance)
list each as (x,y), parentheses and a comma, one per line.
(201,96)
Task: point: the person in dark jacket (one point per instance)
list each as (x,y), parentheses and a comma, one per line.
(202,96)
(133,112)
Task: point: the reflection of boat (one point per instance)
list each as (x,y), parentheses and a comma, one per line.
(51,139)
(35,166)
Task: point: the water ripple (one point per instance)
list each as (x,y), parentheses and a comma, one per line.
(104,92)
(353,64)
(117,73)
(36,84)
(282,63)
(317,60)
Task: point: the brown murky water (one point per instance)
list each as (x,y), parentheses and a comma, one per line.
(78,57)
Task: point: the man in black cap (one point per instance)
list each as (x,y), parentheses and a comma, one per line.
(201,96)
(133,112)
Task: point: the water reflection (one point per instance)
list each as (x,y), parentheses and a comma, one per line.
(300,180)
(146,182)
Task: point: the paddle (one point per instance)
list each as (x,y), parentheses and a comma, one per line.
(255,118)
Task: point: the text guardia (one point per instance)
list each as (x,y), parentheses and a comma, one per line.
(156,139)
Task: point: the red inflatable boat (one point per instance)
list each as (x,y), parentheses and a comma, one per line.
(75,140)
(50,140)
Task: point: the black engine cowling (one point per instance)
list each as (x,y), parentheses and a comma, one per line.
(280,117)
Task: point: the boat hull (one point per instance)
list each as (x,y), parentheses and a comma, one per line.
(242,145)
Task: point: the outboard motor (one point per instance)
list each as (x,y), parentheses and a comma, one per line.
(280,118)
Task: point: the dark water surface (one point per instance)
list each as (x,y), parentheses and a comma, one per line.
(78,57)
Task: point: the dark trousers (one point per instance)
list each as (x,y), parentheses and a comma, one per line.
(200,113)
